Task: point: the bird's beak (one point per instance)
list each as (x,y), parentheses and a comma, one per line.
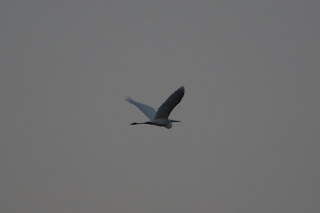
(175,121)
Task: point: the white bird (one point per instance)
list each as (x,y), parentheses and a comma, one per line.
(160,117)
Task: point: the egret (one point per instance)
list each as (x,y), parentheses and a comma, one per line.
(160,117)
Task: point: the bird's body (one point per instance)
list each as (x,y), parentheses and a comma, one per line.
(160,117)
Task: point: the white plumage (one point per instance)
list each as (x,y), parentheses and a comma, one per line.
(160,117)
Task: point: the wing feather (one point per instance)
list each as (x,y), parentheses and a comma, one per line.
(147,110)
(173,100)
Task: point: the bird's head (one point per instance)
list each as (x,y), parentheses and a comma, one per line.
(168,126)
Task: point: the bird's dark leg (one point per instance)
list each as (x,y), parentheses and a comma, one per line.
(139,123)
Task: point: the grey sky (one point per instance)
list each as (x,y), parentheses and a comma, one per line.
(249,136)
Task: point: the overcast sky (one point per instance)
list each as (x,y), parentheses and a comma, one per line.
(249,136)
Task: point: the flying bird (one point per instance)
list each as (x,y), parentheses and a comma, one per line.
(160,117)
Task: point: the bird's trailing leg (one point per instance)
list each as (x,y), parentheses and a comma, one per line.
(139,123)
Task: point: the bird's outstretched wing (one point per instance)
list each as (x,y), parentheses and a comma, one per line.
(147,110)
(166,108)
